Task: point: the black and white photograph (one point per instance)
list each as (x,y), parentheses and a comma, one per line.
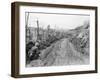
(57,39)
(53,39)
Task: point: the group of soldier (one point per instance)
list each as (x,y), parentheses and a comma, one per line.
(32,50)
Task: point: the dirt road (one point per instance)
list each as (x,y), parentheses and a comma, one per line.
(60,53)
(67,55)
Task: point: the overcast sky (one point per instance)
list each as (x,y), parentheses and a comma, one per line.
(57,21)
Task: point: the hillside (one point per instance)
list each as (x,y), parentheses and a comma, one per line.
(80,39)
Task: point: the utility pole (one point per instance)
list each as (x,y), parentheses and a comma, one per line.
(48,28)
(26,26)
(37,29)
(27,19)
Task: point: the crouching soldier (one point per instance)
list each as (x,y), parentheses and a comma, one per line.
(34,52)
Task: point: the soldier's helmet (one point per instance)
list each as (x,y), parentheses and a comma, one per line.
(37,44)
